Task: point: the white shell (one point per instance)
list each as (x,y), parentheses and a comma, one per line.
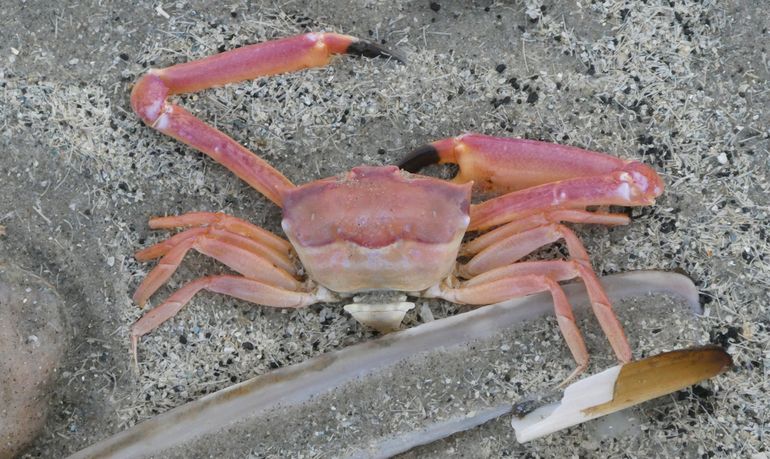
(586,393)
(384,318)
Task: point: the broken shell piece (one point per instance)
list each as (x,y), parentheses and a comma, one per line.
(623,386)
(384,318)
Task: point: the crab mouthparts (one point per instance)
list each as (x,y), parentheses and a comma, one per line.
(383,317)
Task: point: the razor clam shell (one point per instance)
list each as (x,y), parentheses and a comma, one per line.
(623,386)
(384,395)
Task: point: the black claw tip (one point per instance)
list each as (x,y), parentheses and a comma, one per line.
(368,49)
(419,158)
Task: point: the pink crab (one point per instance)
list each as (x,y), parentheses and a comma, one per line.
(385,228)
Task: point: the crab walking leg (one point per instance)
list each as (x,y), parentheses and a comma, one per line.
(537,280)
(503,164)
(243,261)
(235,286)
(160,249)
(619,188)
(149,95)
(517,246)
(224,221)
(557,216)
(509,250)
(558,270)
(236,240)
(602,308)
(163,247)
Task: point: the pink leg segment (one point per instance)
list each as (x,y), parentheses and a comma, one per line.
(238,287)
(226,222)
(602,308)
(558,270)
(519,245)
(163,247)
(624,188)
(556,216)
(526,284)
(245,262)
(507,251)
(149,95)
(280,260)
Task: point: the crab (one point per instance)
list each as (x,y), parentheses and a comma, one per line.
(387,228)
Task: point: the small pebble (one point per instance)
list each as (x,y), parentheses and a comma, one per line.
(435,6)
(500,68)
(425,313)
(722,158)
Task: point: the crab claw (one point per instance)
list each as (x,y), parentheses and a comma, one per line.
(149,98)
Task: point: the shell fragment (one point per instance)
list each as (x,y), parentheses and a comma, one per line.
(621,387)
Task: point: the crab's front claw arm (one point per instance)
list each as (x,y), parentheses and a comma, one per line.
(537,175)
(502,165)
(149,95)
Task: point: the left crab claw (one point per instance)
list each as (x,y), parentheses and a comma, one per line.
(150,94)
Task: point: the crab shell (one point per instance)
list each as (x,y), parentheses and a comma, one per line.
(377,228)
